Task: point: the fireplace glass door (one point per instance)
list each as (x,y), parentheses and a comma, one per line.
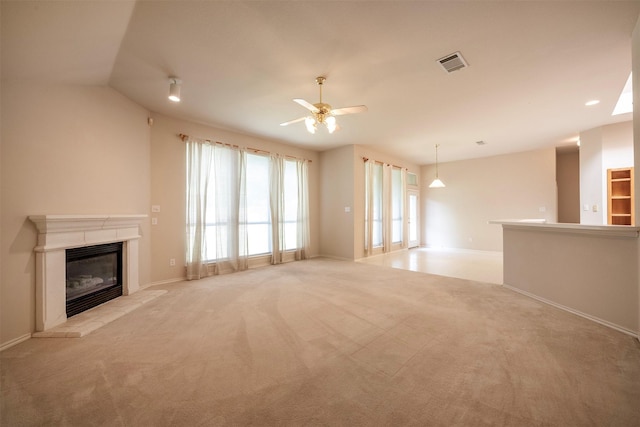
(94,276)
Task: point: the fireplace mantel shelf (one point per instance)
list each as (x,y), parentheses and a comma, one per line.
(67,231)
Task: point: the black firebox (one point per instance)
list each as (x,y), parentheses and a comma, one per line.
(94,276)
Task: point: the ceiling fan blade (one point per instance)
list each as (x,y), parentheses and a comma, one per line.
(309,106)
(349,110)
(292,121)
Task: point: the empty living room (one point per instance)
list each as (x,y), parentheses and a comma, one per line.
(349,213)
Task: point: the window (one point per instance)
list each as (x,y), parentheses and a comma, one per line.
(290,205)
(373,205)
(242,204)
(258,208)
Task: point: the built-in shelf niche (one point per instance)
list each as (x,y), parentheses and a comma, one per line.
(620,196)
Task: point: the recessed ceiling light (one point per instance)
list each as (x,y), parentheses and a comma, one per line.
(592,102)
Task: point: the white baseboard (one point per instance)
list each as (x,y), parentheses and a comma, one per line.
(163,282)
(576,312)
(337,258)
(14,341)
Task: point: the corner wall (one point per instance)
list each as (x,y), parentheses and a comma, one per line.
(511,186)
(342,184)
(337,178)
(65,150)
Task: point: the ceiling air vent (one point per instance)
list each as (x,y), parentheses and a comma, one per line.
(453,62)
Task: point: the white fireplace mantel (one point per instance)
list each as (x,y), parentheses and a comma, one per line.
(56,234)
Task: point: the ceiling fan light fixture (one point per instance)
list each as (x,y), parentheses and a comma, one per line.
(174,89)
(331,124)
(311,124)
(322,113)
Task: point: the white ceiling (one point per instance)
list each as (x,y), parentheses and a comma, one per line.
(533,65)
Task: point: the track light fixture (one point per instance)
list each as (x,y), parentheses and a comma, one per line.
(437,183)
(174,89)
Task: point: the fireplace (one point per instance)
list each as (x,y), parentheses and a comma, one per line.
(59,234)
(93,276)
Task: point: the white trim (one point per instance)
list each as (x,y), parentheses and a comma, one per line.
(14,341)
(576,312)
(619,231)
(68,231)
(164,282)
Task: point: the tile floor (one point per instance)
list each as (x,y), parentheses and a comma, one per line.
(481,266)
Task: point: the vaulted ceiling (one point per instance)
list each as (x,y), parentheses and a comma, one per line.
(532,66)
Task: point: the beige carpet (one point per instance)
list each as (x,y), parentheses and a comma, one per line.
(325,342)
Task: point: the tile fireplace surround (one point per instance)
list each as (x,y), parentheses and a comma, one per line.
(56,234)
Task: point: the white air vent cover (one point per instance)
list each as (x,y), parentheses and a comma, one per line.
(453,62)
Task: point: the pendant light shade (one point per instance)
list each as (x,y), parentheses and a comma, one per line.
(437,183)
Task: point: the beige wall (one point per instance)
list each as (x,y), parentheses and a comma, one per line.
(168,188)
(337,193)
(588,271)
(568,180)
(65,150)
(511,186)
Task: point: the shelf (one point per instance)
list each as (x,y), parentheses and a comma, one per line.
(620,196)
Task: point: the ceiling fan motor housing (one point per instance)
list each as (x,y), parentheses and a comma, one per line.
(323,111)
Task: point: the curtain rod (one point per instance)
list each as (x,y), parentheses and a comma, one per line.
(184,137)
(389,164)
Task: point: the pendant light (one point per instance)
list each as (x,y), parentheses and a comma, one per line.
(436,182)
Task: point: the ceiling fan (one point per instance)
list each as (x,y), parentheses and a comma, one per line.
(323,113)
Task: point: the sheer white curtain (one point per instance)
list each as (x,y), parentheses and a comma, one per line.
(368,206)
(403,185)
(216,209)
(302,224)
(276,199)
(199,161)
(387,236)
(289,203)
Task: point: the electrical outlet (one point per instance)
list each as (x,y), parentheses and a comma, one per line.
(154,221)
(172,262)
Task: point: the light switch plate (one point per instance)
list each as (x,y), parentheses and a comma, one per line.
(155,208)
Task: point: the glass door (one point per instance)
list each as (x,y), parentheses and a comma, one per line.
(414,214)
